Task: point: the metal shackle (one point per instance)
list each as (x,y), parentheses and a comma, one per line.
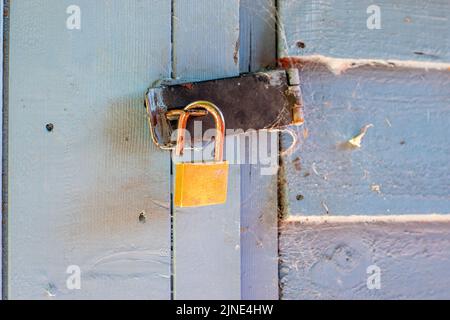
(218,120)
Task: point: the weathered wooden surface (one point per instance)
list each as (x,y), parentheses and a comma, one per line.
(259,230)
(230,251)
(207,245)
(76,194)
(207,240)
(402,164)
(329,260)
(410,30)
(257,28)
(400,167)
(259,205)
(205,39)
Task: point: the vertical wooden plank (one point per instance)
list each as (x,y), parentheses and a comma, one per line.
(258,19)
(207,246)
(87,189)
(207,240)
(259,203)
(205,39)
(259,229)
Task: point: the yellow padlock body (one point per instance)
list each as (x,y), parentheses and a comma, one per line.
(201,184)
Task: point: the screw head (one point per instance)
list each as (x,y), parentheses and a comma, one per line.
(49,127)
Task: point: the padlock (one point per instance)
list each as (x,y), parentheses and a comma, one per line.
(201,183)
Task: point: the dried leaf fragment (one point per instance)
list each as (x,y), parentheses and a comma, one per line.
(376,188)
(356,140)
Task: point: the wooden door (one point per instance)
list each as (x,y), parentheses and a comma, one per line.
(88,210)
(85,192)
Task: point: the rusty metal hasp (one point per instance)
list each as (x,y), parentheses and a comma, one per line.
(262,100)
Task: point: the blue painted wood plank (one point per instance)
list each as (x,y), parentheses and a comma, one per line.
(259,229)
(207,262)
(90,190)
(205,39)
(259,204)
(410,30)
(335,260)
(207,240)
(402,164)
(258,43)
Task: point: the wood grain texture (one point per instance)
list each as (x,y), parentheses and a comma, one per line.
(330,260)
(207,240)
(259,231)
(259,205)
(76,192)
(207,246)
(410,30)
(258,44)
(205,39)
(402,164)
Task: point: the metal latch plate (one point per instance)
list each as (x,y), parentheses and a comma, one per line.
(251,101)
